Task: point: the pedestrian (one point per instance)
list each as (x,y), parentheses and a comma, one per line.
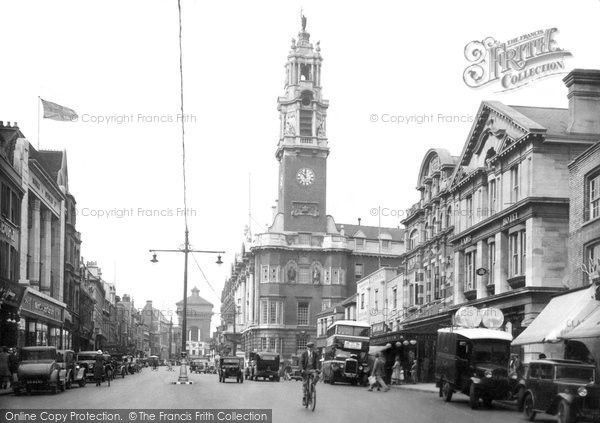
(13,364)
(98,368)
(413,372)
(378,372)
(396,372)
(4,369)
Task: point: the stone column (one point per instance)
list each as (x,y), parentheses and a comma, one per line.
(34,245)
(56,247)
(46,253)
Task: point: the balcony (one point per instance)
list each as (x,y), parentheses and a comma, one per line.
(516,282)
(337,242)
(268,240)
(302,141)
(471,294)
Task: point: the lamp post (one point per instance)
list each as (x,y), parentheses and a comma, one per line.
(183,377)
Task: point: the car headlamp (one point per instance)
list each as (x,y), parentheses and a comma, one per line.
(582,391)
(488,373)
(360,367)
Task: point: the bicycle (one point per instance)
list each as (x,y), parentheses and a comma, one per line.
(311,390)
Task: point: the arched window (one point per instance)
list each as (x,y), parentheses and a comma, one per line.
(413,240)
(434,227)
(426,234)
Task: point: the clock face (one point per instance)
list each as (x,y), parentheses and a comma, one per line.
(305,176)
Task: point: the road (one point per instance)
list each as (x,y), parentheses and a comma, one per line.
(338,403)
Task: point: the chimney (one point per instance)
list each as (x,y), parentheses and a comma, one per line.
(359,221)
(584,101)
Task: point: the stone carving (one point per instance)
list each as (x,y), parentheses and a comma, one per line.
(291,273)
(305,209)
(320,124)
(290,124)
(316,276)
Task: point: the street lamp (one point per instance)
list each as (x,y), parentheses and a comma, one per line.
(183,377)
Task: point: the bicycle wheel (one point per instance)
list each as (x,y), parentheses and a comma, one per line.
(314,398)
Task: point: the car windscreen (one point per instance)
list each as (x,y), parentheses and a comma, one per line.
(88,357)
(491,351)
(584,374)
(38,355)
(352,330)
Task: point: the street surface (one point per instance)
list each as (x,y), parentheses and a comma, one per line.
(338,403)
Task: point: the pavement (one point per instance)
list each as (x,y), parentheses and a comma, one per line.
(429,388)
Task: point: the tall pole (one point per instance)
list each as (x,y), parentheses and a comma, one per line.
(183,377)
(234,338)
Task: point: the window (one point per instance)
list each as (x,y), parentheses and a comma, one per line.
(274,274)
(304,239)
(470,271)
(426,232)
(306,117)
(302,314)
(301,343)
(360,243)
(376,299)
(325,304)
(362,301)
(413,240)
(358,270)
(272,344)
(436,283)
(434,227)
(515,180)
(492,195)
(517,250)
(271,311)
(449,217)
(264,344)
(592,205)
(395,297)
(385,244)
(265,273)
(491,262)
(469,210)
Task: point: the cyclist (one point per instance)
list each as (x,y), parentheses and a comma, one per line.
(308,365)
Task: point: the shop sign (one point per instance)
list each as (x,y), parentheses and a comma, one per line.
(11,293)
(352,345)
(44,194)
(465,240)
(42,307)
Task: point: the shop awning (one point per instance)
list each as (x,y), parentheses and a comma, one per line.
(377,348)
(562,314)
(588,328)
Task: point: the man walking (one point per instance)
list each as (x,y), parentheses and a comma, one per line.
(378,372)
(308,364)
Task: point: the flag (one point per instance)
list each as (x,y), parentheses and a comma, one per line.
(57,112)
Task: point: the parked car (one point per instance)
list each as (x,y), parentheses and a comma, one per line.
(75,373)
(196,366)
(295,373)
(86,360)
(231,367)
(474,361)
(39,369)
(565,388)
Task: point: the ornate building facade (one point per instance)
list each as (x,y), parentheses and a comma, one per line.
(305,262)
(199,316)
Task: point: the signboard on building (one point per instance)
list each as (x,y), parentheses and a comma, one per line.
(42,307)
(11,293)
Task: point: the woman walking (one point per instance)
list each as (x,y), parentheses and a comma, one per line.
(397,372)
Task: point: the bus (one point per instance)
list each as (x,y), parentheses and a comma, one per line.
(346,353)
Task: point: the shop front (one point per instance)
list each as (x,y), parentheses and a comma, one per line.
(42,321)
(11,295)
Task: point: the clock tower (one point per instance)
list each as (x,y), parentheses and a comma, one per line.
(302,149)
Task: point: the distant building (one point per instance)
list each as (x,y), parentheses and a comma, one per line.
(199,315)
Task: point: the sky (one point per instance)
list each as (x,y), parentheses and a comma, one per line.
(117,65)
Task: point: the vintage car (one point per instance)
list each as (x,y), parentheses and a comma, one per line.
(74,372)
(119,365)
(211,369)
(196,366)
(474,361)
(231,367)
(294,368)
(565,388)
(87,359)
(40,368)
(264,365)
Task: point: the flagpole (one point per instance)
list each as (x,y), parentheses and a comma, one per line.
(38,128)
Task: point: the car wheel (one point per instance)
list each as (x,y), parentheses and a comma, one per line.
(82,383)
(63,386)
(69,384)
(473,398)
(564,413)
(487,401)
(520,397)
(446,391)
(54,389)
(528,408)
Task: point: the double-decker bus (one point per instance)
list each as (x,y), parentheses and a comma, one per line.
(346,354)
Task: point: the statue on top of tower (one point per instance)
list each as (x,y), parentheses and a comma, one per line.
(303,18)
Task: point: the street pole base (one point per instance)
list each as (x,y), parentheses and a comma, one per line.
(183,376)
(189,382)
